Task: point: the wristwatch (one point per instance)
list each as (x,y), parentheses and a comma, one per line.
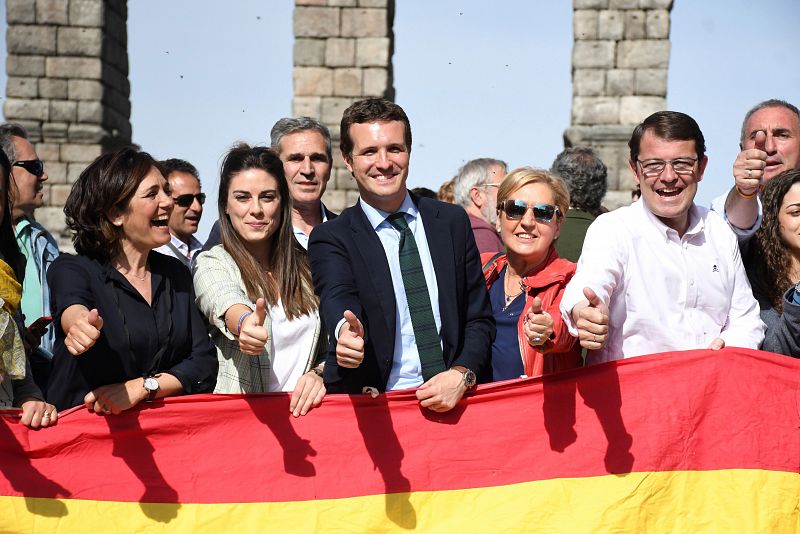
(151,386)
(469,377)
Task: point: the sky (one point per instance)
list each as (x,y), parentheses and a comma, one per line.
(477,79)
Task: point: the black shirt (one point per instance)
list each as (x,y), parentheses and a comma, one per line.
(137,339)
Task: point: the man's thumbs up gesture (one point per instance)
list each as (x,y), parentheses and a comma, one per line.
(350,345)
(591,320)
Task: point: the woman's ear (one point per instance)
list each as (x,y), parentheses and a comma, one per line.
(115,216)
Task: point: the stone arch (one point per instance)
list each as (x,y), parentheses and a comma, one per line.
(67,70)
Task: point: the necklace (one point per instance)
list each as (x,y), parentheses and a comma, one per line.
(509,298)
(140,278)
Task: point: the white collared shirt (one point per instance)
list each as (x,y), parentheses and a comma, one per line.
(178,249)
(664,292)
(301,236)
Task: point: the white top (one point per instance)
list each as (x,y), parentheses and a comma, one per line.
(718,206)
(178,249)
(290,344)
(664,292)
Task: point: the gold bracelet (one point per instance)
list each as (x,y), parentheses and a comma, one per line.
(744,196)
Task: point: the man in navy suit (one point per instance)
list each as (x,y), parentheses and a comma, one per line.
(377,337)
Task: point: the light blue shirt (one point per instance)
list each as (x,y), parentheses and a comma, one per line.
(406,369)
(301,237)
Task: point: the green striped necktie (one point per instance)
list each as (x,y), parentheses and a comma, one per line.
(419,300)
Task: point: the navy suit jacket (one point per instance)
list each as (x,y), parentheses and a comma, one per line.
(350,272)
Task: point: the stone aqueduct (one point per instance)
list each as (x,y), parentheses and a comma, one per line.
(67,70)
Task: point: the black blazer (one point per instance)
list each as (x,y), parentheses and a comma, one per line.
(351,272)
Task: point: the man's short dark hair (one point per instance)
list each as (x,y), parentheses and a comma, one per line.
(586,177)
(290,125)
(178,165)
(7,131)
(371,110)
(771,103)
(670,126)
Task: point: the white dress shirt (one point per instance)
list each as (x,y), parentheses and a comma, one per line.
(301,236)
(664,292)
(718,206)
(178,249)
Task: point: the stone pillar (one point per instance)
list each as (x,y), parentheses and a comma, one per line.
(67,69)
(342,53)
(619,76)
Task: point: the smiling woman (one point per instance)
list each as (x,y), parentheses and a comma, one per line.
(129,329)
(255,288)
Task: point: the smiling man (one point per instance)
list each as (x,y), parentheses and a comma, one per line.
(769,144)
(184,184)
(35,242)
(662,274)
(399,277)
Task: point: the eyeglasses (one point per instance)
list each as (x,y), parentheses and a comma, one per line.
(490,185)
(33,166)
(186,200)
(516,209)
(652,168)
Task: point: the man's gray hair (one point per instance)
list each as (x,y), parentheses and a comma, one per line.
(290,125)
(473,174)
(7,131)
(771,103)
(585,175)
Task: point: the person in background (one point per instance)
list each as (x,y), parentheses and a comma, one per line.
(36,243)
(255,287)
(424,192)
(445,193)
(17,387)
(128,330)
(184,184)
(527,281)
(772,261)
(769,144)
(585,176)
(475,187)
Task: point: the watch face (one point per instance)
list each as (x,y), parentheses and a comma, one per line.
(470,379)
(150,383)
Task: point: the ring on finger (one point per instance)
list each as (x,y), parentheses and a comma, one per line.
(537,340)
(749,173)
(105,409)
(46,415)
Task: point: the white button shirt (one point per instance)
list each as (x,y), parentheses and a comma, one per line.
(664,292)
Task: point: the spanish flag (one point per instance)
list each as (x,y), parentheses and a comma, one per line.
(694,441)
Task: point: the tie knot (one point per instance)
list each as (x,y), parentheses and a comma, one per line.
(398,220)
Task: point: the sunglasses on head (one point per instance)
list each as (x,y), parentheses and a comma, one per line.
(33,166)
(516,209)
(186,200)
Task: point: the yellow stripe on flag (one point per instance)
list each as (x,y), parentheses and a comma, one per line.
(733,500)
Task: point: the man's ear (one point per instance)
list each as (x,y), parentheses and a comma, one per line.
(701,168)
(632,165)
(475,195)
(348,162)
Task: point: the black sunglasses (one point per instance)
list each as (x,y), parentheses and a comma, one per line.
(186,200)
(516,209)
(33,166)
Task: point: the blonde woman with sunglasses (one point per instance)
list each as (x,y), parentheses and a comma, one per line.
(526,281)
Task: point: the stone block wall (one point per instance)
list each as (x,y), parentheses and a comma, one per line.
(67,69)
(342,53)
(620,58)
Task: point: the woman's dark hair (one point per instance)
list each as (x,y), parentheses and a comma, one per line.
(289,263)
(9,250)
(768,254)
(104,187)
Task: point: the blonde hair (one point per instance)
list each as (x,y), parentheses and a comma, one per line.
(519,178)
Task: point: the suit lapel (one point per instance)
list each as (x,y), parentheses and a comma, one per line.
(440,244)
(376,267)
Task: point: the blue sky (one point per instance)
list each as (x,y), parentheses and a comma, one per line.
(476,78)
